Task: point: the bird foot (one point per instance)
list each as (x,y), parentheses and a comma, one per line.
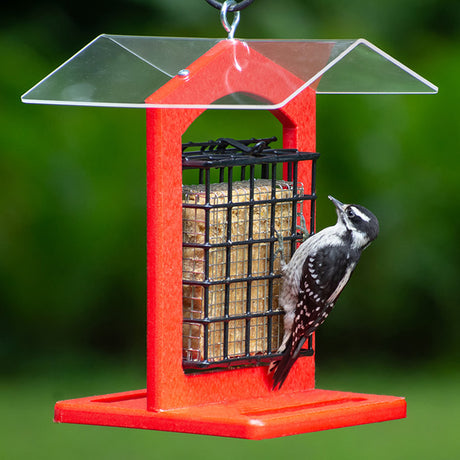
(280,249)
(303,227)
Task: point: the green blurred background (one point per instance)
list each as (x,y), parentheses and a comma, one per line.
(72,229)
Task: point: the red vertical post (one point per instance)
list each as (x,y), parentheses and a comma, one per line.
(164,250)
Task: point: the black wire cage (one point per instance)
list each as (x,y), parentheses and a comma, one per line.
(242,198)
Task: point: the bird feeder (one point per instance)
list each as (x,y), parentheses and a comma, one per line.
(212,327)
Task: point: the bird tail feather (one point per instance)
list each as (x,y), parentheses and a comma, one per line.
(282,367)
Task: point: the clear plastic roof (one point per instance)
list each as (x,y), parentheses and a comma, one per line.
(125,71)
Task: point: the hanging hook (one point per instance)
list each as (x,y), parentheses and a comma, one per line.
(223,18)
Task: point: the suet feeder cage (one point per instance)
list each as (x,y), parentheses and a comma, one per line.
(213,322)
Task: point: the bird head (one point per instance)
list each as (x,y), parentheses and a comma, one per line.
(358,220)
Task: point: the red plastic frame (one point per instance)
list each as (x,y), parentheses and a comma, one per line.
(238,402)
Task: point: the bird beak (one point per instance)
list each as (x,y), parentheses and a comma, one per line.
(338,204)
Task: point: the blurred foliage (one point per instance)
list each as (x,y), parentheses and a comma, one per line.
(72,180)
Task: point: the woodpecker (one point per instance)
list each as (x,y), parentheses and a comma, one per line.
(316,275)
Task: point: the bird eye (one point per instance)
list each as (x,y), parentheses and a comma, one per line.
(350,212)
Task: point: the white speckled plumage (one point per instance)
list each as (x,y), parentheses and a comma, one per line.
(316,275)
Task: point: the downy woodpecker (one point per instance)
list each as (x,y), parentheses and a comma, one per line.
(316,275)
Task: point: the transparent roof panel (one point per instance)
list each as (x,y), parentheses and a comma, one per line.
(131,71)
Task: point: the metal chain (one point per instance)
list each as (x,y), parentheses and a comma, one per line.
(237,7)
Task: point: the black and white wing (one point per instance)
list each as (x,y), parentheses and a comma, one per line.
(325,273)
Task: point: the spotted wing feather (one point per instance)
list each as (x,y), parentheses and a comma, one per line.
(324,275)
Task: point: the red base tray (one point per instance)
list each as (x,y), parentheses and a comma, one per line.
(259,418)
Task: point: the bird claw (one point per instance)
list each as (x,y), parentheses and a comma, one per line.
(280,249)
(303,227)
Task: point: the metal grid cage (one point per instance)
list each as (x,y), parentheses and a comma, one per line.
(231,276)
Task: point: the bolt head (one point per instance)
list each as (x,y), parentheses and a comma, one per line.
(183,73)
